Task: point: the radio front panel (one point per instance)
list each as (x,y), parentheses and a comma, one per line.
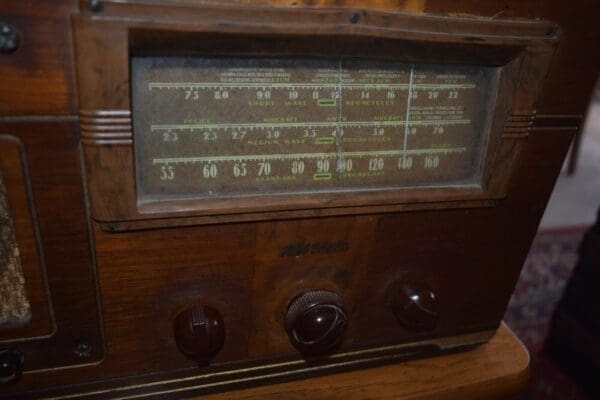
(251,194)
(281,186)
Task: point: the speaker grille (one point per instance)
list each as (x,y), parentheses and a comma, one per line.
(14,305)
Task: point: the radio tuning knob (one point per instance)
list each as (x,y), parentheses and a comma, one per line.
(199,332)
(414,304)
(316,321)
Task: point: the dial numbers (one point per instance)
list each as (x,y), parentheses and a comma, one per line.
(228,127)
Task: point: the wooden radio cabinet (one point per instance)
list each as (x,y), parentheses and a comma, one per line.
(198,196)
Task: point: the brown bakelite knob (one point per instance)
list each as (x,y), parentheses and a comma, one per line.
(199,332)
(414,304)
(316,321)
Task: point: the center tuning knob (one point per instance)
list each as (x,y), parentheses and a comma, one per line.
(316,321)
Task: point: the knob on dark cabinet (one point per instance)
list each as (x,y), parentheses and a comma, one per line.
(414,304)
(316,321)
(199,332)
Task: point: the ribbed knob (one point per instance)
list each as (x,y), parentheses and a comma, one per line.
(199,332)
(316,321)
(11,364)
(414,304)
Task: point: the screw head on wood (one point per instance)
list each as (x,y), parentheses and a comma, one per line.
(83,350)
(9,38)
(95,5)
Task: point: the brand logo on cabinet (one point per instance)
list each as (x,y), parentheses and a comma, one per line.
(305,248)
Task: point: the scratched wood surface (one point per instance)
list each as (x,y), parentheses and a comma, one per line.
(492,371)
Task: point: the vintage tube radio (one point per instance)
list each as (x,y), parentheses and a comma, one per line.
(199,196)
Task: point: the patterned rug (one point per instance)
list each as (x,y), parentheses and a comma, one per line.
(543,278)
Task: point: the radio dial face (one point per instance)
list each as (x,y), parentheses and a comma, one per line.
(228,127)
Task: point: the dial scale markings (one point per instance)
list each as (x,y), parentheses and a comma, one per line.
(222,127)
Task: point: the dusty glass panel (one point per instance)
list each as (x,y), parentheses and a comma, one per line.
(225,127)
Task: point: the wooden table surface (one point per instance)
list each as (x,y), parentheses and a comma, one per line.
(495,370)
